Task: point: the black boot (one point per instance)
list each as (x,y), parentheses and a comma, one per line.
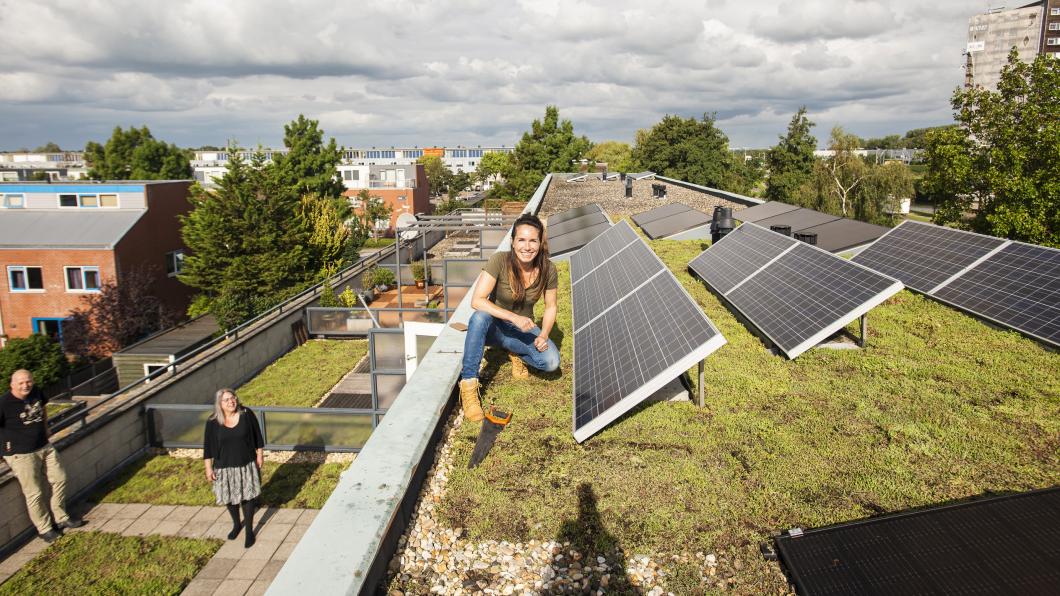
(248,523)
(237,525)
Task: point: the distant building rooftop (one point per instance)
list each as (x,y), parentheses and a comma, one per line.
(79,228)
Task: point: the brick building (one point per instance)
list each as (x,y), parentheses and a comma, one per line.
(403,187)
(60,242)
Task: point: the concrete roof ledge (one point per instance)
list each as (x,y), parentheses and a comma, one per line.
(337,554)
(738,198)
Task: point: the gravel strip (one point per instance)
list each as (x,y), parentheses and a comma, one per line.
(611,195)
(283,457)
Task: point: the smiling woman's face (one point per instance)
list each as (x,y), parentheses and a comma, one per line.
(526,244)
(228,403)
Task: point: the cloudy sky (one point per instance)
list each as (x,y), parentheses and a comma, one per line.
(472,72)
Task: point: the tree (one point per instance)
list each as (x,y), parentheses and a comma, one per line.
(549,146)
(136,155)
(692,150)
(309,165)
(49,147)
(841,173)
(617,155)
(373,210)
(884,186)
(492,167)
(458,183)
(999,173)
(437,174)
(791,162)
(117,316)
(39,354)
(329,235)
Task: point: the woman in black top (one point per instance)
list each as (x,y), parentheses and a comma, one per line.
(232,451)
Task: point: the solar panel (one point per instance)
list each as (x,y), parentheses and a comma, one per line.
(600,249)
(1000,545)
(578,178)
(641,175)
(798,295)
(797,219)
(675,224)
(659,212)
(844,234)
(575,239)
(572,213)
(576,223)
(753,214)
(635,328)
(924,255)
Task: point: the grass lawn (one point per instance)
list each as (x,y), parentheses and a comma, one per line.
(377,242)
(938,407)
(165,480)
(98,563)
(303,375)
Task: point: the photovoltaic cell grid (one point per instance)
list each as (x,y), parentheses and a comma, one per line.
(737,256)
(1001,545)
(572,229)
(628,345)
(1014,284)
(834,234)
(795,294)
(572,213)
(659,212)
(576,223)
(670,219)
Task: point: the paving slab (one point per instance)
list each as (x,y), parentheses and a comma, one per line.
(117,525)
(105,509)
(284,551)
(286,516)
(183,513)
(307,517)
(201,587)
(131,511)
(259,587)
(219,529)
(194,529)
(217,568)
(274,531)
(208,514)
(141,527)
(158,512)
(270,570)
(262,549)
(232,549)
(247,569)
(233,587)
(168,528)
(296,533)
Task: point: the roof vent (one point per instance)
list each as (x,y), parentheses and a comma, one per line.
(783,230)
(629,188)
(808,237)
(721,224)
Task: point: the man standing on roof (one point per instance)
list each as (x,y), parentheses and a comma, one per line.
(25,447)
(512,282)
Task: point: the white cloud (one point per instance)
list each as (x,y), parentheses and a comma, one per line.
(471,71)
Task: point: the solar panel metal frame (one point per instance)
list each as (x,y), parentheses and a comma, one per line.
(596,253)
(631,399)
(577,178)
(641,175)
(793,352)
(933,292)
(839,570)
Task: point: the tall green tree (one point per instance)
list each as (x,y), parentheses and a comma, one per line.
(492,167)
(999,173)
(692,150)
(39,354)
(309,165)
(884,186)
(617,155)
(549,146)
(840,175)
(437,174)
(135,154)
(791,162)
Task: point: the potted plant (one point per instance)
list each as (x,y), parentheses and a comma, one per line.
(382,278)
(419,274)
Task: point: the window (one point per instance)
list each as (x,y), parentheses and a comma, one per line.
(1054,12)
(1053,41)
(474,153)
(88,201)
(82,279)
(14,201)
(413,153)
(458,153)
(174,263)
(1054,26)
(25,279)
(51,327)
(351,175)
(68,200)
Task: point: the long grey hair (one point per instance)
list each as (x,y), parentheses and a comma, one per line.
(218,413)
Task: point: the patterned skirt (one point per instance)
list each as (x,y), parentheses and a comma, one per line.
(235,485)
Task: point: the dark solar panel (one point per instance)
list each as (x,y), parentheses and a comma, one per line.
(603,246)
(572,213)
(737,256)
(808,294)
(617,277)
(923,256)
(1001,545)
(844,234)
(1018,286)
(675,224)
(797,219)
(659,212)
(635,328)
(575,223)
(575,239)
(753,214)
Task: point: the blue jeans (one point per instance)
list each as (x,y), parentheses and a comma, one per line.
(483,330)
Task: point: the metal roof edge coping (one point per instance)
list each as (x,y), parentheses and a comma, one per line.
(749,201)
(338,552)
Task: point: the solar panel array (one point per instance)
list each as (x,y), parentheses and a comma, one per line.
(1001,545)
(834,233)
(1010,283)
(670,219)
(641,175)
(635,328)
(796,294)
(574,228)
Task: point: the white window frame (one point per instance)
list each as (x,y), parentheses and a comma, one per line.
(8,197)
(1053,41)
(25,275)
(176,263)
(117,200)
(1054,26)
(84,289)
(59,200)
(1054,12)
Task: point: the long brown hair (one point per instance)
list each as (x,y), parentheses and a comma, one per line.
(540,264)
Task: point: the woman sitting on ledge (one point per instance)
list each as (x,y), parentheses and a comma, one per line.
(504,301)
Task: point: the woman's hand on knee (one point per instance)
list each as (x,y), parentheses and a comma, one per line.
(541,342)
(523,323)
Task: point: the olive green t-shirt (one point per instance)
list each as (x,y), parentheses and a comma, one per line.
(497,267)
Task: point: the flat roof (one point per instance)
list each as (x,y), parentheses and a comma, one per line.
(177,340)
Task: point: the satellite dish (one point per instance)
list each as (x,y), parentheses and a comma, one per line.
(405,220)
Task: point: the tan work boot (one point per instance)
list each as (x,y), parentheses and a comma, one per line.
(519,371)
(469,400)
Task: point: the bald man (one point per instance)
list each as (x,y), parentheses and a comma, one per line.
(25,447)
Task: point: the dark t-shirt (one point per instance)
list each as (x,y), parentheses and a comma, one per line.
(232,447)
(22,423)
(498,268)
